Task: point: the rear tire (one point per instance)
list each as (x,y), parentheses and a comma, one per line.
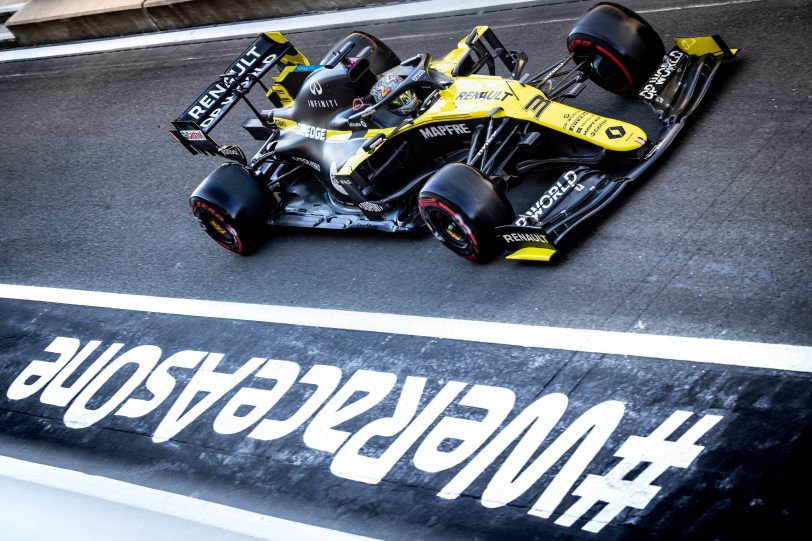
(232,208)
(621,48)
(222,227)
(462,209)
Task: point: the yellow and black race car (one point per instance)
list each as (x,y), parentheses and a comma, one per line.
(365,140)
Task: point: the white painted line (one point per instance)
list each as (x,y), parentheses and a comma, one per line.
(639,11)
(12,8)
(203,512)
(675,348)
(302,22)
(698,6)
(334,18)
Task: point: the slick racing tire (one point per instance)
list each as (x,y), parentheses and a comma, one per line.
(222,227)
(231,207)
(620,47)
(381,59)
(462,209)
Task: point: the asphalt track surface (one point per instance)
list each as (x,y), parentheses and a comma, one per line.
(712,243)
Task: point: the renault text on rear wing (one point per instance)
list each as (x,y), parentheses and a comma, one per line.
(194,124)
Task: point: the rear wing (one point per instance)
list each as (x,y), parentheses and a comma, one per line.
(192,127)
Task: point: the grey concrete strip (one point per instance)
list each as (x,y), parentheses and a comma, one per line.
(52,21)
(352,16)
(37,11)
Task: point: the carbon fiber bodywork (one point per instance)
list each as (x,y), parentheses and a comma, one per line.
(334,158)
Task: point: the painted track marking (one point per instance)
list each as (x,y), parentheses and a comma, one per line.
(167,503)
(675,348)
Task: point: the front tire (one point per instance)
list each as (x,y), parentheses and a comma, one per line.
(621,49)
(462,209)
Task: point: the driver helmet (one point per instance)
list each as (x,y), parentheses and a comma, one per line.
(405,104)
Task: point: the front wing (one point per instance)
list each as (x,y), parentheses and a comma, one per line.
(674,91)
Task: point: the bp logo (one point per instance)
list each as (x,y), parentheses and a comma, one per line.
(613,132)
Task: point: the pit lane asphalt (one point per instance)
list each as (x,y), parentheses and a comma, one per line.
(712,243)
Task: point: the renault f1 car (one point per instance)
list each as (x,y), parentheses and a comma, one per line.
(440,144)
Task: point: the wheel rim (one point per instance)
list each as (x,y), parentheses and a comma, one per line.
(450,231)
(607,70)
(217,227)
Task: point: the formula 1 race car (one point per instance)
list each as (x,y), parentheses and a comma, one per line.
(365,140)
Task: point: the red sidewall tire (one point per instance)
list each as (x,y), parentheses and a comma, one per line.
(462,209)
(622,48)
(435,211)
(219,226)
(233,208)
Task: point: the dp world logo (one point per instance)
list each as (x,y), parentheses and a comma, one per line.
(315,88)
(613,132)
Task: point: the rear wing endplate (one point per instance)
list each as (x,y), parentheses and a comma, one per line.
(192,127)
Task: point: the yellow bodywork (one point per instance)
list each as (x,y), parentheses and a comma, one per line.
(701,45)
(288,59)
(474,97)
(280,90)
(452,59)
(532,254)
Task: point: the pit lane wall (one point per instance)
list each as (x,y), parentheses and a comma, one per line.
(52,21)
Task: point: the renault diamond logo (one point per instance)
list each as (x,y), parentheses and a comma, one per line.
(315,88)
(614,132)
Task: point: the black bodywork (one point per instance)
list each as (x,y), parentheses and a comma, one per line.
(295,179)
